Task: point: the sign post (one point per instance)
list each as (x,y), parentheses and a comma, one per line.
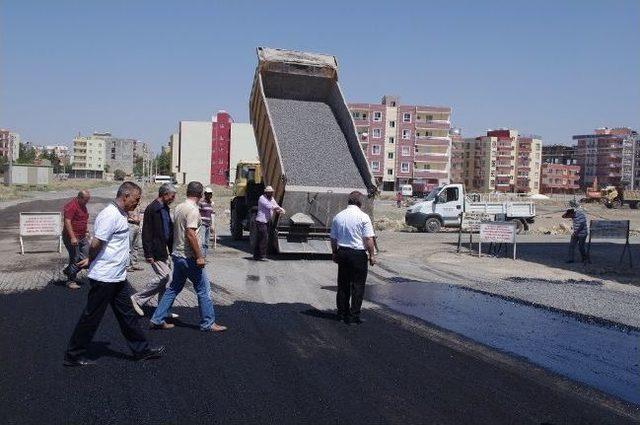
(470,223)
(498,232)
(40,224)
(610,229)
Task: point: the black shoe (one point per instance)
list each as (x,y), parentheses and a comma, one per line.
(569,261)
(346,320)
(150,353)
(340,317)
(78,361)
(357,319)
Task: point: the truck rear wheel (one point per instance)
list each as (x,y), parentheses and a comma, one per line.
(432,225)
(633,205)
(616,203)
(235,225)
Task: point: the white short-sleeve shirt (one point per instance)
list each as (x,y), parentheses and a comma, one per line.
(350,226)
(112,228)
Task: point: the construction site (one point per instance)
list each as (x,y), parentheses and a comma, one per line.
(458,329)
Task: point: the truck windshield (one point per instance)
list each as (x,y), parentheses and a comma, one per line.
(432,195)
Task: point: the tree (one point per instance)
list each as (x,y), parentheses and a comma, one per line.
(26,154)
(137,165)
(163,164)
(119,175)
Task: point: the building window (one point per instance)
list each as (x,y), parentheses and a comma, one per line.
(392,124)
(390,171)
(406,151)
(406,134)
(377,116)
(375,150)
(390,155)
(392,140)
(375,165)
(404,167)
(406,117)
(377,133)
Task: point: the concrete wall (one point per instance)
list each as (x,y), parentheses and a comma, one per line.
(194,157)
(243,147)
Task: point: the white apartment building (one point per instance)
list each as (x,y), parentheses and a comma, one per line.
(194,152)
(88,156)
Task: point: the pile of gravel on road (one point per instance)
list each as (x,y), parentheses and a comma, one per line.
(314,149)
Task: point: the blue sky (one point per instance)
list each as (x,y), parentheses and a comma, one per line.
(553,68)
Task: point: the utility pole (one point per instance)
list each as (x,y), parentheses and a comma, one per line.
(10,158)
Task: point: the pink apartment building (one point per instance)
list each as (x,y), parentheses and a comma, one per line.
(405,144)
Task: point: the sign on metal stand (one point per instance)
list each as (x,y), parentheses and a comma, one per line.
(498,232)
(470,223)
(610,229)
(40,224)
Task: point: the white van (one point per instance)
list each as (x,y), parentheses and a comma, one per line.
(406,190)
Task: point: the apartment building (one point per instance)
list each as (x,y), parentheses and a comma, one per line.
(89,156)
(559,178)
(502,161)
(457,156)
(405,144)
(173,146)
(102,152)
(9,143)
(606,154)
(220,145)
(242,147)
(559,154)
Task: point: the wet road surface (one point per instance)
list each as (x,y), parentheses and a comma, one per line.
(604,357)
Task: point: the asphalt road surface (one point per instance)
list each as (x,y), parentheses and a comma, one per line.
(284,360)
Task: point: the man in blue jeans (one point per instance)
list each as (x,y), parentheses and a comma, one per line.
(188,262)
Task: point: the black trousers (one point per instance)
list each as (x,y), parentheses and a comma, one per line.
(352,276)
(101,295)
(262,239)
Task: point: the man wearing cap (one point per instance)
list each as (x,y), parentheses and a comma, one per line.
(266,206)
(351,237)
(207,215)
(157,243)
(580,231)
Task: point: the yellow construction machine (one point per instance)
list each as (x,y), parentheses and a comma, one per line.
(247,188)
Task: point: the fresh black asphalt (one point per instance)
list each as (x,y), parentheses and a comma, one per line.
(277,364)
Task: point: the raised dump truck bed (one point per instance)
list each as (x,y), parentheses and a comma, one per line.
(308,146)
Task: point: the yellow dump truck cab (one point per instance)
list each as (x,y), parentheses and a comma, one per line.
(247,188)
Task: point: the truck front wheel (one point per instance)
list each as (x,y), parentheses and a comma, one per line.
(633,205)
(235,225)
(432,225)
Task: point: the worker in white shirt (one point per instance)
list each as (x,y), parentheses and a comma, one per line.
(351,238)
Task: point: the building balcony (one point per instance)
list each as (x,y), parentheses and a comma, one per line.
(433,124)
(432,141)
(417,172)
(423,157)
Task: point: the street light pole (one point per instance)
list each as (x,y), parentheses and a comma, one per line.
(10,158)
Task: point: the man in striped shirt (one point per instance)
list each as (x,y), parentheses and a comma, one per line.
(580,231)
(208,217)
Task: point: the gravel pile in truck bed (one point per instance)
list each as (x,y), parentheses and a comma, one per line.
(313,147)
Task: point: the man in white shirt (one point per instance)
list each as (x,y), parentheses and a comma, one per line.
(108,260)
(351,237)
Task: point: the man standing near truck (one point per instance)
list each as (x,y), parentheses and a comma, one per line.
(208,219)
(74,235)
(266,206)
(352,237)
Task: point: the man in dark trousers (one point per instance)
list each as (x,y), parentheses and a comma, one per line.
(74,235)
(266,207)
(108,260)
(351,238)
(157,243)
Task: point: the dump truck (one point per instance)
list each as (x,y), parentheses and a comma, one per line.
(246,190)
(616,197)
(444,204)
(308,147)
